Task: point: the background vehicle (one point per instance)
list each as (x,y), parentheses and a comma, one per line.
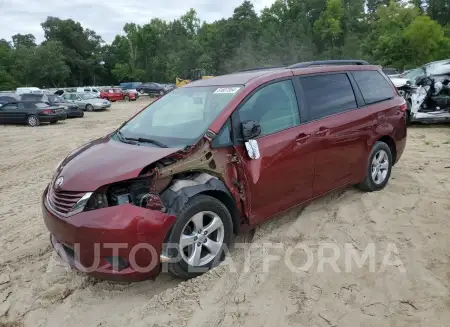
(71,110)
(194,75)
(117,94)
(31,113)
(85,101)
(153,89)
(183,169)
(7,97)
(391,72)
(130,86)
(31,89)
(88,89)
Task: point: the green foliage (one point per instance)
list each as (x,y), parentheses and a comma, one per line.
(390,33)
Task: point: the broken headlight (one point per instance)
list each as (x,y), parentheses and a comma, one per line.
(135,192)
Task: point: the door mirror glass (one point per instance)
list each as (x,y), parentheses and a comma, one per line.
(252,149)
(250,129)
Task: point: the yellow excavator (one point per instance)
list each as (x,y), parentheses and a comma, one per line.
(194,75)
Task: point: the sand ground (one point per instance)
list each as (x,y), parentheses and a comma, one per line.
(407,225)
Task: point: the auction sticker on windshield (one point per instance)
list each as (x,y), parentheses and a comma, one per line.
(227,90)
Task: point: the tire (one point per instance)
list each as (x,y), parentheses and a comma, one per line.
(127,98)
(209,208)
(33,121)
(161,92)
(408,113)
(141,91)
(380,157)
(89,108)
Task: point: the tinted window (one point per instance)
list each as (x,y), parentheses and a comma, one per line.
(41,105)
(373,86)
(31,97)
(328,94)
(274,106)
(10,106)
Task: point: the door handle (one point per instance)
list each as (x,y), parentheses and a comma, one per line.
(323,131)
(302,137)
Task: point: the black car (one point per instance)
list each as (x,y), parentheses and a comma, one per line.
(72,110)
(152,89)
(31,113)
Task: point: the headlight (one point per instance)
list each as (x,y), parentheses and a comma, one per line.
(81,204)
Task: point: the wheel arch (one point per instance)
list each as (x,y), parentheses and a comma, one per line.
(183,188)
(391,144)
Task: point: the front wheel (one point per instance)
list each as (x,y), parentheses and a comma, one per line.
(161,92)
(89,108)
(33,120)
(200,236)
(127,98)
(141,91)
(379,168)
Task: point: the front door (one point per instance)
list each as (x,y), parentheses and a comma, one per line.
(283,175)
(341,130)
(8,114)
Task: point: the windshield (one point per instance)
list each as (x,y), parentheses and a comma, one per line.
(413,74)
(85,96)
(182,116)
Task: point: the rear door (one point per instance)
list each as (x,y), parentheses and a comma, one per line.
(283,175)
(342,127)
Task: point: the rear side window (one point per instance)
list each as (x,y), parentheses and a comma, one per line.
(31,97)
(373,86)
(328,94)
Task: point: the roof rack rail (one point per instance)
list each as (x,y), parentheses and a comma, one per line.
(328,62)
(259,68)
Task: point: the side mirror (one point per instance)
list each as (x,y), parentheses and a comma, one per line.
(250,129)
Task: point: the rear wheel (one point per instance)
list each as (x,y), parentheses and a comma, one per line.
(33,120)
(161,92)
(378,169)
(200,236)
(127,98)
(89,107)
(141,91)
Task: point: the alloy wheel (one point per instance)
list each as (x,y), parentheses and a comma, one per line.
(32,121)
(380,167)
(202,238)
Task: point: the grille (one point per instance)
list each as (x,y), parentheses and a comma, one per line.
(63,201)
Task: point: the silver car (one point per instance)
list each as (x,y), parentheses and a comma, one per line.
(85,101)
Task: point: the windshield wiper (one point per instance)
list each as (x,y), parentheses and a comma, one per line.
(144,140)
(140,140)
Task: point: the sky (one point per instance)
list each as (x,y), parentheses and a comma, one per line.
(107,17)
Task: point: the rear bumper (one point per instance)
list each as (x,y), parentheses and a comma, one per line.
(89,240)
(436,117)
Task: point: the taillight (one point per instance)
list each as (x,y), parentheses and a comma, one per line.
(47,111)
(403,107)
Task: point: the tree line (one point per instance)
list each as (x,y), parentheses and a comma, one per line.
(390,33)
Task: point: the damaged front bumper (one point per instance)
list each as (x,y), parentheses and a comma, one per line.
(121,243)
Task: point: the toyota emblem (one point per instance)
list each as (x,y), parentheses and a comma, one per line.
(59,182)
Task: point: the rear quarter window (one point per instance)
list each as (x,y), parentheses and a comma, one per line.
(374,87)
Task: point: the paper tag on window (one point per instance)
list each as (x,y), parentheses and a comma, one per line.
(227,90)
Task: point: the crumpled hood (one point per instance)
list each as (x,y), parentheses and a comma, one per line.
(104,161)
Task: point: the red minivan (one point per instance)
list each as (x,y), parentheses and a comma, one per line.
(173,185)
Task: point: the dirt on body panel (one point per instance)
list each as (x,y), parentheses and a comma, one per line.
(412,213)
